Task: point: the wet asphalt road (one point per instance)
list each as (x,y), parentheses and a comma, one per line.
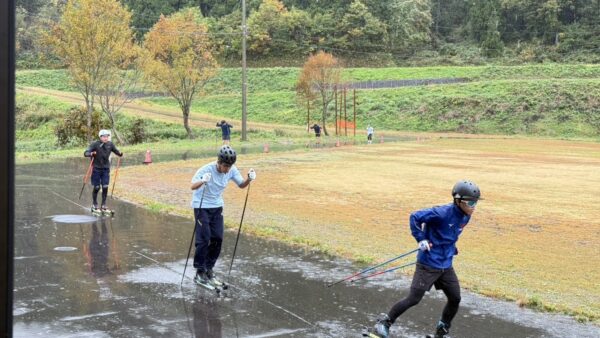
(81,276)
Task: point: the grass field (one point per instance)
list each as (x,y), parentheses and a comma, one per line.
(284,78)
(557,100)
(536,107)
(534,240)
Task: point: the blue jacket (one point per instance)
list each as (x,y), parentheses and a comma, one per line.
(441,226)
(225,129)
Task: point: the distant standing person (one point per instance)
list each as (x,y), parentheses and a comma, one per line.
(317,129)
(100,152)
(225,131)
(370,134)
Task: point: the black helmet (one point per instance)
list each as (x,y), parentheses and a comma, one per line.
(466,190)
(227,155)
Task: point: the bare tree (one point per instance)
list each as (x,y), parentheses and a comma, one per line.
(114,94)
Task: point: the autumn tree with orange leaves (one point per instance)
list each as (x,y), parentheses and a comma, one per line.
(320,74)
(178,58)
(91,39)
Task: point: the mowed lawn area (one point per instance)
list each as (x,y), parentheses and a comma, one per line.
(535,238)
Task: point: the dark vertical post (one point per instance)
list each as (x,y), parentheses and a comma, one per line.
(244,76)
(308,116)
(336,110)
(345,115)
(7,162)
(354,107)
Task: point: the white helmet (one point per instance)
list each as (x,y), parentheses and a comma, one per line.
(104,132)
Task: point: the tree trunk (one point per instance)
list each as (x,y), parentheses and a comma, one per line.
(325,117)
(186,122)
(114,128)
(89,110)
(119,138)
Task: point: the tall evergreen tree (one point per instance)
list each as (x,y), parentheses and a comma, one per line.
(363,32)
(146,12)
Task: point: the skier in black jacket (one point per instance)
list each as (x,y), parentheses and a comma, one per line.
(100,152)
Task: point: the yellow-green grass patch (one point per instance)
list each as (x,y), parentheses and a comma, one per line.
(535,239)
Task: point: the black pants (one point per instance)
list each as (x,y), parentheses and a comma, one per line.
(423,279)
(209,237)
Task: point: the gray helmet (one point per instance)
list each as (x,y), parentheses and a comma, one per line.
(466,190)
(227,155)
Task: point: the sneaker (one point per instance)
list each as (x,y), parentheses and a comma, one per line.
(382,327)
(201,278)
(441,330)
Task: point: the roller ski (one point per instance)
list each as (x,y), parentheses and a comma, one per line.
(202,280)
(103,211)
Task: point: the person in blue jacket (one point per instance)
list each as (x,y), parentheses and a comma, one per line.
(317,129)
(436,230)
(225,131)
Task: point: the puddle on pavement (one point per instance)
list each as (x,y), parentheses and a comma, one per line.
(74,219)
(65,248)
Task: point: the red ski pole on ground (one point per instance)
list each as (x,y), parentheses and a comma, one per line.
(384,271)
(373,267)
(116,174)
(87,175)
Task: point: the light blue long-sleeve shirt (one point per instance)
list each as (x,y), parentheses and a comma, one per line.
(213,197)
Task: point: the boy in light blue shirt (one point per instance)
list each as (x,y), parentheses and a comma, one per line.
(208,185)
(370,134)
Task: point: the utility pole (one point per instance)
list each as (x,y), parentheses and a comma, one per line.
(335,90)
(354,107)
(345,115)
(244,84)
(308,115)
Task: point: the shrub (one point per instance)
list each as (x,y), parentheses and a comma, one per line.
(137,131)
(73,128)
(280,132)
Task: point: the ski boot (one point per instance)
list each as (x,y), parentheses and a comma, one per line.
(210,275)
(441,330)
(382,327)
(214,281)
(201,278)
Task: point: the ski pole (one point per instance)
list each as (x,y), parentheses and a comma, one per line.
(374,267)
(382,272)
(85,178)
(238,234)
(116,174)
(193,233)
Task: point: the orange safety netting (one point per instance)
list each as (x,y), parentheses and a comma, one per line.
(343,124)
